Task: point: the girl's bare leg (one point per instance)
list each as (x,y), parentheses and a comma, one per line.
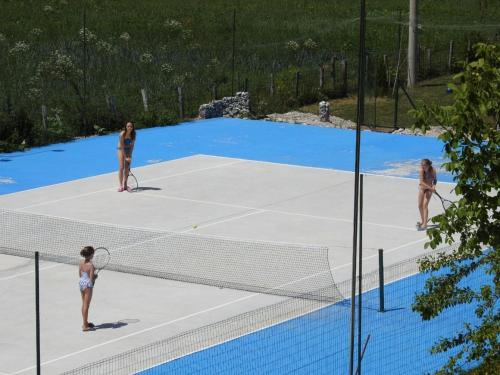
(87,297)
(421,196)
(120,168)
(426,200)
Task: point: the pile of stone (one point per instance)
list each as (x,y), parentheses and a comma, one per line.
(311,119)
(230,106)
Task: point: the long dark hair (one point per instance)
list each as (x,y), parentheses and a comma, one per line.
(132,133)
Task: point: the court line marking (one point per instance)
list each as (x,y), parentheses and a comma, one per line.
(213,308)
(264,210)
(110,189)
(29,272)
(100,175)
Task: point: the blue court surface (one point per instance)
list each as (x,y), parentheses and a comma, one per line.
(318,343)
(245,139)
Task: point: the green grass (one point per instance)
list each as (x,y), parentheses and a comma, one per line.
(379,111)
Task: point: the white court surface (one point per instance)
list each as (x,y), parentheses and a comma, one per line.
(202,195)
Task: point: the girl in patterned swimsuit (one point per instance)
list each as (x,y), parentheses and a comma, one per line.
(426,187)
(86,284)
(125,147)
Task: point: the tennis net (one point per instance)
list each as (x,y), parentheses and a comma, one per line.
(256,266)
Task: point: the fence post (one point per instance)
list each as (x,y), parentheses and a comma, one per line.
(334,75)
(44,120)
(387,73)
(450,57)
(469,52)
(37,312)
(181,101)
(321,77)
(297,84)
(144,94)
(429,61)
(343,73)
(381,279)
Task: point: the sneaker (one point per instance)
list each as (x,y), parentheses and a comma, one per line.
(120,189)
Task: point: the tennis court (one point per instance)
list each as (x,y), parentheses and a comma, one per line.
(227,198)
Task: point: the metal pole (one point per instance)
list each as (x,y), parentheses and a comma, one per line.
(361,93)
(381,279)
(412,43)
(234,51)
(37,313)
(360,273)
(84,99)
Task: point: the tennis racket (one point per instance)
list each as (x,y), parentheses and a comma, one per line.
(101,259)
(445,202)
(132,183)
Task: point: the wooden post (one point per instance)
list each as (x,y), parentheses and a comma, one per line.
(450,57)
(297,84)
(44,118)
(387,72)
(181,101)
(468,52)
(321,77)
(429,62)
(214,92)
(334,75)
(343,73)
(144,94)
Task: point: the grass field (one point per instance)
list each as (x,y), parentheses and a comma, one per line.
(159,46)
(379,112)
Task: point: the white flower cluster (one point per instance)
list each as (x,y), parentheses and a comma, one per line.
(36,31)
(292,45)
(172,25)
(146,58)
(89,35)
(125,37)
(19,47)
(166,68)
(103,46)
(310,44)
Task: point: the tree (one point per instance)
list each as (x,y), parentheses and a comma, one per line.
(471,144)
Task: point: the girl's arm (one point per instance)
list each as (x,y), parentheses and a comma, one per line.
(91,272)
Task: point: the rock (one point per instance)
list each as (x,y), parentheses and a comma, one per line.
(231,106)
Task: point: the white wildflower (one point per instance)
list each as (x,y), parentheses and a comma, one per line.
(19,47)
(125,36)
(172,25)
(310,44)
(166,68)
(36,31)
(89,35)
(146,58)
(292,45)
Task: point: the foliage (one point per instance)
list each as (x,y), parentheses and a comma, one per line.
(52,59)
(471,144)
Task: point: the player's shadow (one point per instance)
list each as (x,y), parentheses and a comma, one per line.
(116,325)
(145,188)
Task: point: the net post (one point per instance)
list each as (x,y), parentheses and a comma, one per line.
(37,312)
(381,279)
